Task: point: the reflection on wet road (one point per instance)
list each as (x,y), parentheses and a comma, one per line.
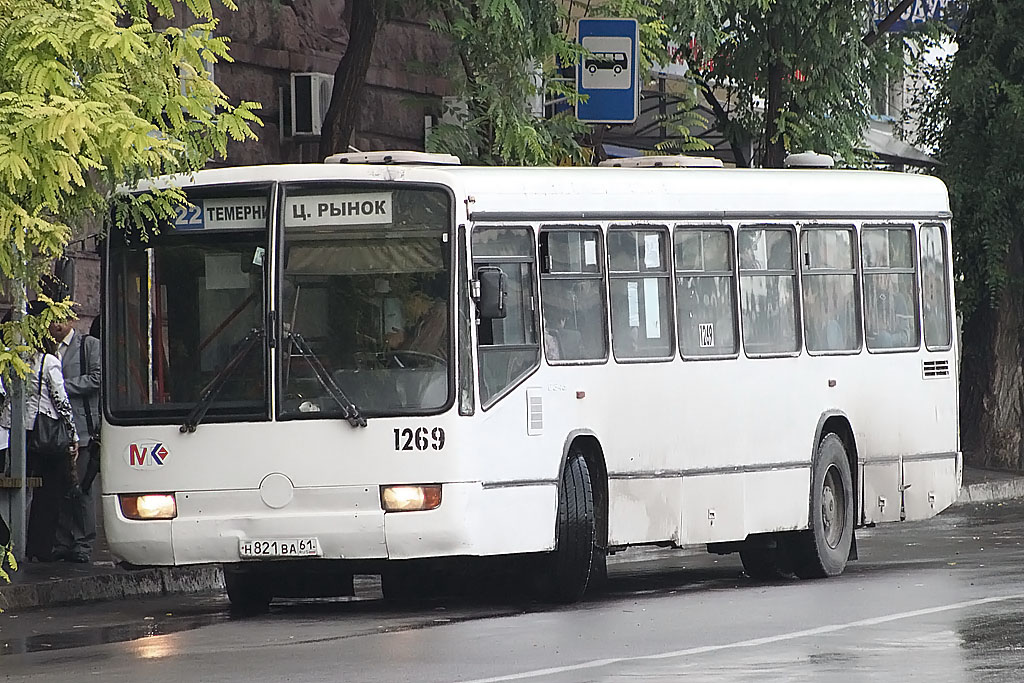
(941,600)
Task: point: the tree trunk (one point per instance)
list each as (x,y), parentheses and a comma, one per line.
(350,77)
(774,151)
(991,377)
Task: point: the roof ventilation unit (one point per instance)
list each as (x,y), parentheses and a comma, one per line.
(666,161)
(809,160)
(394,158)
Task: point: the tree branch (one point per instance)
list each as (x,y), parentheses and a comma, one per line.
(722,116)
(883,26)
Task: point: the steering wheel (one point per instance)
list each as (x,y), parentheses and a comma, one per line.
(406,358)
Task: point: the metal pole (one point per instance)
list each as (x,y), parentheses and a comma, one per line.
(19,508)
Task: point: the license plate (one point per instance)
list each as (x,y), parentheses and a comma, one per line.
(279,547)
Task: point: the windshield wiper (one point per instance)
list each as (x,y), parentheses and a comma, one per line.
(349,410)
(219,380)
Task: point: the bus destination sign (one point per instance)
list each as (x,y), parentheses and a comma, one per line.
(338,209)
(223,213)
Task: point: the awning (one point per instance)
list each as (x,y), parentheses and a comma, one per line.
(878,138)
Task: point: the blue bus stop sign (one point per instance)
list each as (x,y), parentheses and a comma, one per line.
(609,73)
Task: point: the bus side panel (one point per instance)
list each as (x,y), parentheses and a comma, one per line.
(779,496)
(641,510)
(881,482)
(713,508)
(932,486)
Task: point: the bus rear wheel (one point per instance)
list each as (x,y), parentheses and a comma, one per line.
(573,558)
(824,549)
(248,590)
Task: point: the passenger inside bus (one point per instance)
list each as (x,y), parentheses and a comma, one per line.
(561,341)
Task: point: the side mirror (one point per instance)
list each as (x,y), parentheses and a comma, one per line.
(493,290)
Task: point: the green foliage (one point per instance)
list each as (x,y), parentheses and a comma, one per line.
(93,96)
(806,58)
(496,41)
(978,123)
(507,53)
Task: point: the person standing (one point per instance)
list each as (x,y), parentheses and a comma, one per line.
(45,395)
(80,361)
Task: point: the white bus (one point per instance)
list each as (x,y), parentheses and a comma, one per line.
(332,368)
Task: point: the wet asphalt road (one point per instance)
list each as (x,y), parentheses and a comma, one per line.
(941,600)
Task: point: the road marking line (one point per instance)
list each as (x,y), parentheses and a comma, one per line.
(704,649)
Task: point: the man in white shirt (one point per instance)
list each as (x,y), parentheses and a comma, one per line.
(80,362)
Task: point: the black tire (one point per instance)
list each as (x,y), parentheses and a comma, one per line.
(248,591)
(573,558)
(824,549)
(764,564)
(598,580)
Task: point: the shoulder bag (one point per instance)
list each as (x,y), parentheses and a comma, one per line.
(49,436)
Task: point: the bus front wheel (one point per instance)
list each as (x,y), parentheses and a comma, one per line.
(573,558)
(824,549)
(248,591)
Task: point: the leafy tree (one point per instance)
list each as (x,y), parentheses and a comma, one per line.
(91,96)
(796,74)
(508,53)
(981,146)
(366,18)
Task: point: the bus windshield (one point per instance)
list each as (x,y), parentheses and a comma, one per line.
(365,301)
(185,305)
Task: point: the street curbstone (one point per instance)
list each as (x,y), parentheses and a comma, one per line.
(991,490)
(113,586)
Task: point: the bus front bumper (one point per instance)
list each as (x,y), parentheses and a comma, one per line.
(347,521)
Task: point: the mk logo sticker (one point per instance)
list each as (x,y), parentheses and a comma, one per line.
(146,455)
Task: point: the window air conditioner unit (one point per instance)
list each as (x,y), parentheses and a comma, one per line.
(311,96)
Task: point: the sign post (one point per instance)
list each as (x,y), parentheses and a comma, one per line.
(609,74)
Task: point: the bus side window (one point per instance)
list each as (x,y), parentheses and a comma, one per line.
(935,288)
(639,278)
(831,320)
(705,292)
(890,288)
(572,295)
(508,349)
(768,290)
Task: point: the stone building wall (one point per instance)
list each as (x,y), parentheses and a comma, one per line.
(270,39)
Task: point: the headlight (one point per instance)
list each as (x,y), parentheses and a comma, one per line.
(148,505)
(407,498)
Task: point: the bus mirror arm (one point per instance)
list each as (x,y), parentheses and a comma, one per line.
(218,381)
(491,290)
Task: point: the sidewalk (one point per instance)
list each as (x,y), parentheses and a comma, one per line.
(54,583)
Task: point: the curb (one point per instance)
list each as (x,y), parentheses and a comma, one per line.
(114,586)
(991,490)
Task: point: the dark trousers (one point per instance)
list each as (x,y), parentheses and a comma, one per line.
(76,524)
(46,503)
